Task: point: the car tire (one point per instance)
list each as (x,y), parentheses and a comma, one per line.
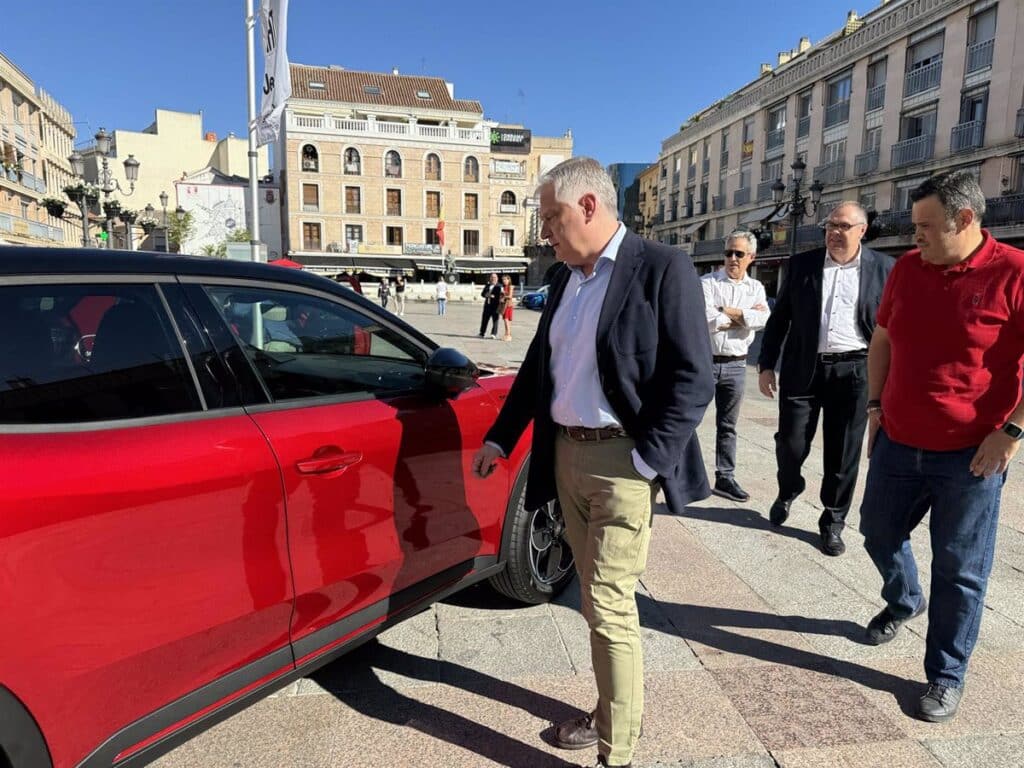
(538,560)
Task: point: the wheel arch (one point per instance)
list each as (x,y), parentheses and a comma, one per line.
(21,740)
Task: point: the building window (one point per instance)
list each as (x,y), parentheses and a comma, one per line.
(353,162)
(924,65)
(394,235)
(311,237)
(803,114)
(771,170)
(353,200)
(430,236)
(394,202)
(745,176)
(748,138)
(471,170)
(470,209)
(981,34)
(876,85)
(901,198)
(433,205)
(310,198)
(432,168)
(470,242)
(508,238)
(837,104)
(392,165)
(310,159)
(867,200)
(353,236)
(508,202)
(776,127)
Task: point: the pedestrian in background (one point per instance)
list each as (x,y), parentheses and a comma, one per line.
(384,292)
(736,308)
(441,292)
(400,294)
(505,307)
(491,295)
(946,418)
(825,314)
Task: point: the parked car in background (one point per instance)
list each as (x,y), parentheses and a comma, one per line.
(217,477)
(535,299)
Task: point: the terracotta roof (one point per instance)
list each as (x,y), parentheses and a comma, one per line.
(353,87)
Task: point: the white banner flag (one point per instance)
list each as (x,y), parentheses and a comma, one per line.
(277,81)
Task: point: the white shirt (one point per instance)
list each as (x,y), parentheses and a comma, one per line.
(722,291)
(840,290)
(442,289)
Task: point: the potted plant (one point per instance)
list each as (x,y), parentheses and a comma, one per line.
(54,206)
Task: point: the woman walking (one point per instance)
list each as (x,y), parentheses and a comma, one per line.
(507,292)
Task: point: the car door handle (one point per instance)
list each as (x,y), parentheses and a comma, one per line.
(328,458)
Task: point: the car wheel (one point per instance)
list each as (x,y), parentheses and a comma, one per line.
(539,562)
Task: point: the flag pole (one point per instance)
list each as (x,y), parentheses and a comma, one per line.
(254,182)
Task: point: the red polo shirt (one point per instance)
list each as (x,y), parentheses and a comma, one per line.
(957,336)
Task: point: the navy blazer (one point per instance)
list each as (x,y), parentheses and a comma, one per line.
(796,318)
(654,362)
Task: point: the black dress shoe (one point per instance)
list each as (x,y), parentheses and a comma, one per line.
(779,513)
(728,488)
(831,542)
(578,733)
(939,703)
(883,627)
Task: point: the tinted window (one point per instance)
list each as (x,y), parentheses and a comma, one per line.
(80,353)
(304,346)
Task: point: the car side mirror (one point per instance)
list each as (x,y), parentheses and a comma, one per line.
(451,372)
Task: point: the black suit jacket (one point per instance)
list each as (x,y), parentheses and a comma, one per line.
(654,362)
(796,318)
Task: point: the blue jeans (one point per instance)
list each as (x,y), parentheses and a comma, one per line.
(729,383)
(903,484)
(440,306)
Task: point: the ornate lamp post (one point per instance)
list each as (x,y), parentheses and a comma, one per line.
(107,184)
(795,206)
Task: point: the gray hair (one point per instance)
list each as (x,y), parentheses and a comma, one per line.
(744,234)
(956,191)
(575,177)
(862,214)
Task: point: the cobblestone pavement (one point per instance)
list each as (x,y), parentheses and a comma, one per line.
(751,638)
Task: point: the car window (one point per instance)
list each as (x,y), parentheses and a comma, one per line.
(306,346)
(81,353)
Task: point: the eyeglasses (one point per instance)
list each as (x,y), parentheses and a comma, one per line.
(842,226)
(735,254)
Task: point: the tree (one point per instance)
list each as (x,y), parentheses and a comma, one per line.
(179,229)
(220,250)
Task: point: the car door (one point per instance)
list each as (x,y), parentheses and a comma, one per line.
(375,466)
(143,564)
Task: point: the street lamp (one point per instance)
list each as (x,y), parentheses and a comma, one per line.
(107,184)
(796,205)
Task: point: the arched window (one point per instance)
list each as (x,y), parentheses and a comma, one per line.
(393,165)
(353,163)
(310,159)
(432,168)
(508,197)
(471,172)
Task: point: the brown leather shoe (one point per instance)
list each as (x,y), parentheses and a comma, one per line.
(578,733)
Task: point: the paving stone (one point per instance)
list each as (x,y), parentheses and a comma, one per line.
(979,751)
(885,754)
(504,648)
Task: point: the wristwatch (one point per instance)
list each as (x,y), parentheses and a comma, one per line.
(1013,430)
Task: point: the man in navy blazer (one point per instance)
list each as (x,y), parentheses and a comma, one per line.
(616,380)
(825,314)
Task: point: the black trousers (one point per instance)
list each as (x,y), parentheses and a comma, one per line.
(490,314)
(840,391)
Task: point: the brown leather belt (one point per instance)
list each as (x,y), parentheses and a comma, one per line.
(588,434)
(727,358)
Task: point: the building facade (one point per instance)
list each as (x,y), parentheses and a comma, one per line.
(34,130)
(647,199)
(912,88)
(386,173)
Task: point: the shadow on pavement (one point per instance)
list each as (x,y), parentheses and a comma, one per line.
(747,518)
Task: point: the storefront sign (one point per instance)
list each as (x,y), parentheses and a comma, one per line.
(421,249)
(513,140)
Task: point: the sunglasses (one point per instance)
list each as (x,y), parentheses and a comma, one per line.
(735,254)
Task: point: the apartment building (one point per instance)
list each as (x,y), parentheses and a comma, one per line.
(912,88)
(34,131)
(384,174)
(647,200)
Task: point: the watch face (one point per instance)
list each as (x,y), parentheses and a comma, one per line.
(1013,430)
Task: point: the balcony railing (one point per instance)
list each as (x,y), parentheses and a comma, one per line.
(718,202)
(764,190)
(775,139)
(691,172)
(741,196)
(837,113)
(435,133)
(1018,131)
(866,162)
(22,226)
(875,98)
(831,173)
(1002,211)
(922,79)
(311,207)
(910,151)
(894,224)
(394,210)
(979,55)
(704,247)
(967,136)
(803,126)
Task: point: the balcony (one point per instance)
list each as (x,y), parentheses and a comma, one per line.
(434,133)
(1018,131)
(894,224)
(967,136)
(718,202)
(1003,211)
(311,207)
(837,113)
(704,247)
(866,162)
(775,139)
(803,126)
(764,190)
(394,210)
(922,79)
(979,56)
(831,173)
(691,172)
(741,197)
(21,226)
(875,98)
(915,150)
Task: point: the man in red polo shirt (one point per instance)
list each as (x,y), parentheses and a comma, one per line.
(945,418)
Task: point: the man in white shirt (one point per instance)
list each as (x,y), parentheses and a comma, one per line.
(441,291)
(736,308)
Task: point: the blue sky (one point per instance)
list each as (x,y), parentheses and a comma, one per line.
(623,76)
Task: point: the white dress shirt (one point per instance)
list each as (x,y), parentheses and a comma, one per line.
(722,291)
(840,290)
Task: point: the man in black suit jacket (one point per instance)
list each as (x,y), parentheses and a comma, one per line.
(492,298)
(825,313)
(616,380)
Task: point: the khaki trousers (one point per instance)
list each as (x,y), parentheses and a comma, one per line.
(607,506)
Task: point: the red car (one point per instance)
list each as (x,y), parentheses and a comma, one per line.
(217,477)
